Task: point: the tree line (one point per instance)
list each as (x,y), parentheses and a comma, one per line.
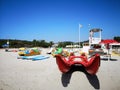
(13,43)
(117,38)
(24,43)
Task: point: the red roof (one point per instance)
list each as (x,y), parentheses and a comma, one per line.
(108,41)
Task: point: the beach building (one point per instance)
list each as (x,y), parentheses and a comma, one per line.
(110,44)
(96,44)
(72,46)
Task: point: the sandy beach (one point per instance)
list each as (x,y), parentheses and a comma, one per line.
(18,74)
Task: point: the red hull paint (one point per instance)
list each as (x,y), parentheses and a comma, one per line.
(91,66)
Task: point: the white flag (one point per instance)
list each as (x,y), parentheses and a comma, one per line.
(80,25)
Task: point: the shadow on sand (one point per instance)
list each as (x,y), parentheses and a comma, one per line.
(93,79)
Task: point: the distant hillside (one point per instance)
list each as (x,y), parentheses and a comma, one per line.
(13,43)
(16,43)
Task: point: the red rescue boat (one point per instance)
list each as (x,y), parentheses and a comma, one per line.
(91,65)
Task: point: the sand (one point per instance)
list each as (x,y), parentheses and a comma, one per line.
(18,74)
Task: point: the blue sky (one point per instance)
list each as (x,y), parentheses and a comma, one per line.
(58,20)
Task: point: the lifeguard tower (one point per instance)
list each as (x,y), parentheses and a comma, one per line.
(95,36)
(94,40)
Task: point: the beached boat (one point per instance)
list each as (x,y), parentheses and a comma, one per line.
(30,52)
(91,65)
(34,57)
(57,51)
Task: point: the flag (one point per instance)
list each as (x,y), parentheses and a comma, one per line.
(80,25)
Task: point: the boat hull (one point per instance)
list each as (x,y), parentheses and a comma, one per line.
(91,66)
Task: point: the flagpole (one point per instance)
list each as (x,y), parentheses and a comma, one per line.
(79,34)
(89,34)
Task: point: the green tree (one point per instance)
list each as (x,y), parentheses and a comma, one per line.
(51,43)
(117,38)
(63,44)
